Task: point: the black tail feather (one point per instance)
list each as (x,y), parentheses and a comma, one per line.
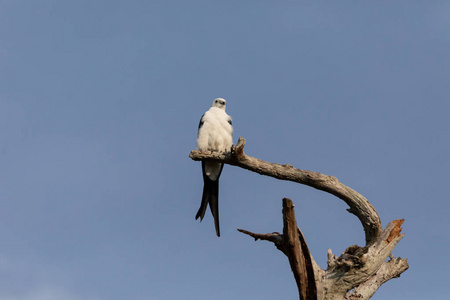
(211,196)
(214,206)
(204,204)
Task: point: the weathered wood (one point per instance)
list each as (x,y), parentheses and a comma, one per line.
(359,265)
(298,254)
(292,243)
(355,274)
(388,270)
(358,204)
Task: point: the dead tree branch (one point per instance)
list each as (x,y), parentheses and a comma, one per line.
(359,205)
(359,271)
(356,274)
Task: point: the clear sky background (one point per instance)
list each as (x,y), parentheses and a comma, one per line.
(99,107)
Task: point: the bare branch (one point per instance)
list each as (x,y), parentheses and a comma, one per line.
(356,274)
(297,251)
(292,243)
(359,271)
(358,204)
(274,237)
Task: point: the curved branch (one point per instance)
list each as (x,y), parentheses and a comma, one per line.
(359,205)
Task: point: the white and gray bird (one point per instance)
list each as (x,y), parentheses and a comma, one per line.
(215,133)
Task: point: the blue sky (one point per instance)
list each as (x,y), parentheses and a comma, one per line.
(99,107)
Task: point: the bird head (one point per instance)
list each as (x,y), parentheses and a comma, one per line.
(219,103)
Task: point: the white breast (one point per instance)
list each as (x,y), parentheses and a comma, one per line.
(216,134)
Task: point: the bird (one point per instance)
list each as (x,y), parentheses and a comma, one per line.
(215,133)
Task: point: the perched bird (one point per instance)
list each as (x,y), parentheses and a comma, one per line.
(215,133)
